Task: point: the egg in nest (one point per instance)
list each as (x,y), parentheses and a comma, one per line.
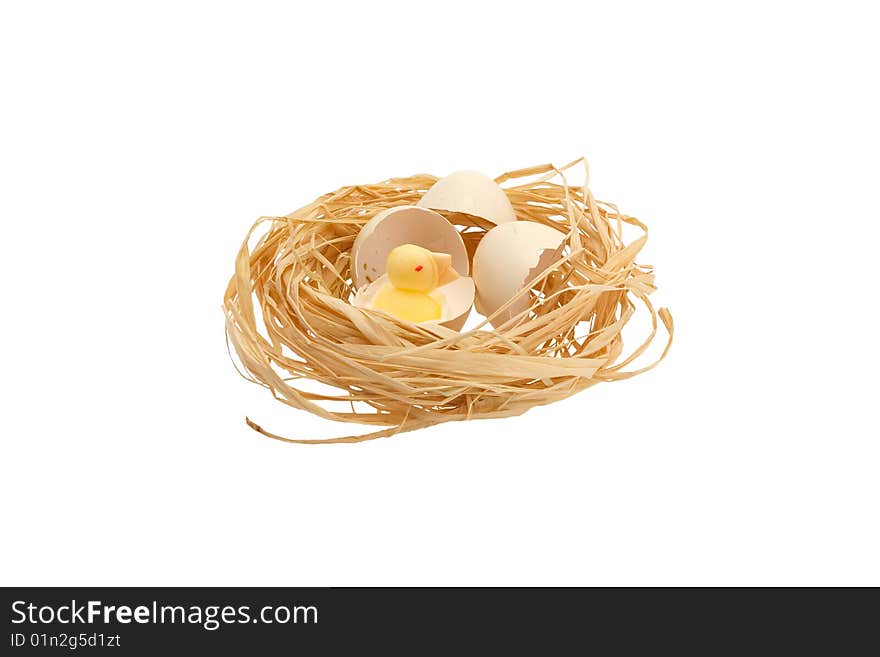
(411,263)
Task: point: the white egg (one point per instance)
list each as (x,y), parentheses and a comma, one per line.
(506,259)
(405,224)
(457,296)
(470,192)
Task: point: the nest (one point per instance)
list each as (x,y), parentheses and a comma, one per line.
(290,323)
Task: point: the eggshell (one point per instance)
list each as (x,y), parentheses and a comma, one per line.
(405,224)
(507,258)
(470,192)
(458,297)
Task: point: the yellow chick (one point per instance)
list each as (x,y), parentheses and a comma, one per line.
(414,273)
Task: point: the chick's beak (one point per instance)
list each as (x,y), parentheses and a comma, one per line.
(445,271)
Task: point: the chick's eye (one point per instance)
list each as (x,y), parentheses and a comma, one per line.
(419,268)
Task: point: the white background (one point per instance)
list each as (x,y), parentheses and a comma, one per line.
(140,142)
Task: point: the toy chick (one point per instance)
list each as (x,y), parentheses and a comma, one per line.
(414,274)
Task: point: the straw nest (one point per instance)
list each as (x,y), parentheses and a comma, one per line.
(290,323)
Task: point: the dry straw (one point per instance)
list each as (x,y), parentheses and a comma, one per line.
(288,316)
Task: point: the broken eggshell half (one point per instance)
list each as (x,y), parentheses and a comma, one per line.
(470,192)
(457,299)
(508,257)
(405,224)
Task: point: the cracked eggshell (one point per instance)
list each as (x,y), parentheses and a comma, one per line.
(405,224)
(507,258)
(470,192)
(458,298)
